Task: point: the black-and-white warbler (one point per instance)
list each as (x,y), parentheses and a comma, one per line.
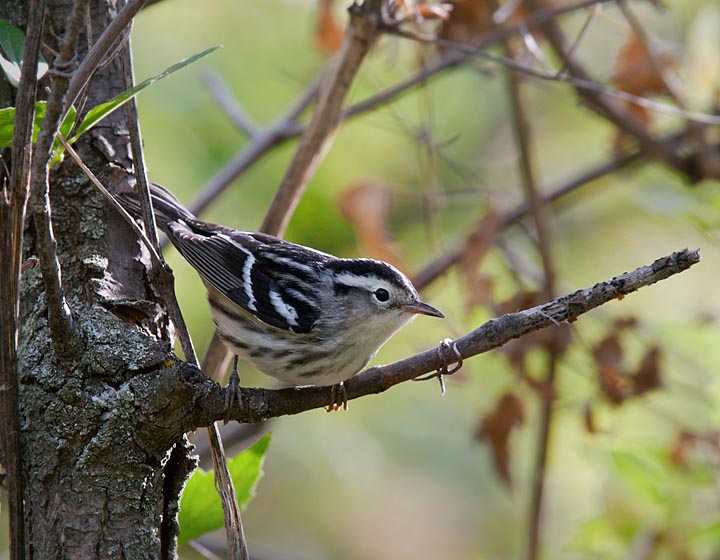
(298,315)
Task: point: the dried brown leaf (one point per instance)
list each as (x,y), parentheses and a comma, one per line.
(608,356)
(496,427)
(635,72)
(478,287)
(648,376)
(638,73)
(468,19)
(328,33)
(628,322)
(680,448)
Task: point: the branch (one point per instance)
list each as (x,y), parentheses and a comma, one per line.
(364,28)
(206,399)
(91,63)
(229,104)
(62,329)
(540,213)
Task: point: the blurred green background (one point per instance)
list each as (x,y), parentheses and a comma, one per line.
(400,475)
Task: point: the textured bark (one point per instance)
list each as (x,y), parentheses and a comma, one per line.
(99,482)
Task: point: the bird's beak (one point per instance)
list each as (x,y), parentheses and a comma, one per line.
(423,308)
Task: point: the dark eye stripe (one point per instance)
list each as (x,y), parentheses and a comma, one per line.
(341,289)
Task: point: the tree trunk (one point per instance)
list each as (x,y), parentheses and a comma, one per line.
(102,478)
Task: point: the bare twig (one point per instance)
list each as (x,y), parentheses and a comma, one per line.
(102,46)
(165,283)
(365,21)
(13,202)
(154,255)
(258,405)
(592,15)
(62,329)
(229,104)
(540,213)
(538,210)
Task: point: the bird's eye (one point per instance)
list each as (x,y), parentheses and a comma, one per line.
(382,295)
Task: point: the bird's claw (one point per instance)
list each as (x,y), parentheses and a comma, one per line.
(233,394)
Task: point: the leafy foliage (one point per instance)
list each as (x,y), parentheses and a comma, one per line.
(200,507)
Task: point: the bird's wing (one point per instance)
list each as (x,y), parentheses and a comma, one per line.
(260,273)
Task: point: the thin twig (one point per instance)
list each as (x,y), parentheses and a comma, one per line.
(62,329)
(592,15)
(538,210)
(91,62)
(111,199)
(229,104)
(363,30)
(13,202)
(541,217)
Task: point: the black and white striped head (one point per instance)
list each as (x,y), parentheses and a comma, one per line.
(365,286)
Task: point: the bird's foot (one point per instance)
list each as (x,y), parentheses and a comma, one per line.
(338,398)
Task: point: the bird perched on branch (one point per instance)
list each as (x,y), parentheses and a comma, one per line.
(301,316)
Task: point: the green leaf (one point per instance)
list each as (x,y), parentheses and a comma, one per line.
(101,111)
(12,43)
(200,507)
(7,123)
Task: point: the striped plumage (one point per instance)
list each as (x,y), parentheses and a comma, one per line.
(298,315)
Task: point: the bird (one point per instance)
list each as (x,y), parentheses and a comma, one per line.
(301,316)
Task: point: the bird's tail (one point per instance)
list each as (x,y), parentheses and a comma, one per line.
(166,207)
